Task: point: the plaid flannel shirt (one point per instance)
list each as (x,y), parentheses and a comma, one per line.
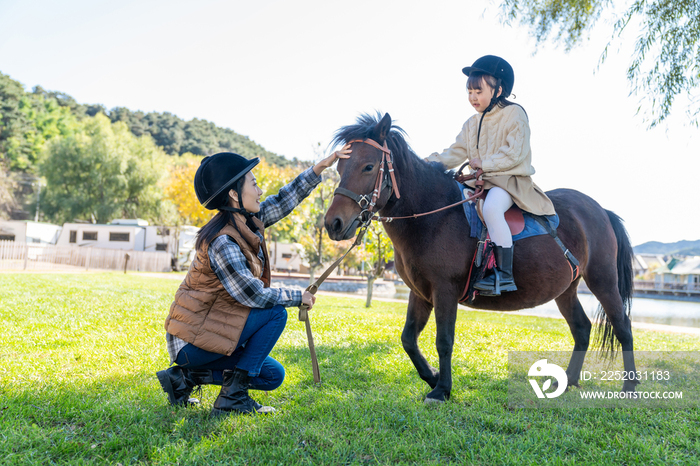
(230,265)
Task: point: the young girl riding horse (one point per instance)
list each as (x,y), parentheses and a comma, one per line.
(497,140)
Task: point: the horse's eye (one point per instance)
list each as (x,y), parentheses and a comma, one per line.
(368,168)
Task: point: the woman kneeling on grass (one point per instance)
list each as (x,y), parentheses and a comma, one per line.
(226,319)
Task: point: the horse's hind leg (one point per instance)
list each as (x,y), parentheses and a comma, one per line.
(609,297)
(580,326)
(417,316)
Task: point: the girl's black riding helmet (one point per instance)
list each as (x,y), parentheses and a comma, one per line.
(497,67)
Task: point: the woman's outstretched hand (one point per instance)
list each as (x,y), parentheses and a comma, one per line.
(343,153)
(308,299)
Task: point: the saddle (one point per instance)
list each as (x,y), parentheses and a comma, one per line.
(516,220)
(521,225)
(514,216)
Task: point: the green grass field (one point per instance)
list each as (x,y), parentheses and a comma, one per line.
(79,352)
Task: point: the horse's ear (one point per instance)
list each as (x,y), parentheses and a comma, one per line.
(381,131)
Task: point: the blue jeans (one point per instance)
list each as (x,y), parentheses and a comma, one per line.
(259,336)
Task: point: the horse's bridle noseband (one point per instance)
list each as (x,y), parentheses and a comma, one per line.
(367,202)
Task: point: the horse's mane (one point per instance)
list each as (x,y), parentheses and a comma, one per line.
(406,160)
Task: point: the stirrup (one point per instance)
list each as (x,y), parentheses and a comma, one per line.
(496,290)
(487,287)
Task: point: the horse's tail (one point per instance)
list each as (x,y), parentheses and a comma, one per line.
(625,284)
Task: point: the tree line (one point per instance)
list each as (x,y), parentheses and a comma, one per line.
(30,121)
(62,162)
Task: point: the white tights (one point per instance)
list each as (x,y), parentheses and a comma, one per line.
(497,202)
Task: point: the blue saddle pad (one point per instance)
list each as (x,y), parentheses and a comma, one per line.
(532,226)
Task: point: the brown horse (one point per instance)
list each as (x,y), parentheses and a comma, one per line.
(433,253)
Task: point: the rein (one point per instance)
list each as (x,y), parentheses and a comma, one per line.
(367,202)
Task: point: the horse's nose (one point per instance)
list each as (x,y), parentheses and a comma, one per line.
(334,228)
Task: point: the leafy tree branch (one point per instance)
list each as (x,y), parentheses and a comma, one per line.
(666,60)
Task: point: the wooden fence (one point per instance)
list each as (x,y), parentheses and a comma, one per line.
(30,256)
(649,287)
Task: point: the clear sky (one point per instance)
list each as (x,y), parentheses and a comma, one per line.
(288,74)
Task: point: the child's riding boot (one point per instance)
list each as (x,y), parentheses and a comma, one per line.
(179,383)
(234,397)
(501,279)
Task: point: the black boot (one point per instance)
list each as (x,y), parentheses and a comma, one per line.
(501,279)
(234,397)
(179,383)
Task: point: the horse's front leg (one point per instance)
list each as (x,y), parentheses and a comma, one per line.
(445,318)
(417,316)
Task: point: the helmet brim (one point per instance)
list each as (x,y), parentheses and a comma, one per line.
(248,167)
(468,70)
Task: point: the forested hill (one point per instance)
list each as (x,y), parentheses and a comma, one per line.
(25,115)
(199,137)
(682,248)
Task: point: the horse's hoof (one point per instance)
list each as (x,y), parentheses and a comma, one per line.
(437,396)
(433,401)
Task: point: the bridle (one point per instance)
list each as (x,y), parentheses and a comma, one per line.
(368,202)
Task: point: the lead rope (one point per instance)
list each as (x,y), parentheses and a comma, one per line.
(313,288)
(478,193)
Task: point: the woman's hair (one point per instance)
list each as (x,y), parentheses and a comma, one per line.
(207,233)
(475,80)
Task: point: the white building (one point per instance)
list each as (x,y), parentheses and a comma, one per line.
(186,251)
(27,231)
(285,256)
(128,235)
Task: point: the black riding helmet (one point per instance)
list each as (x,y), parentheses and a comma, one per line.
(217,175)
(496,67)
(499,69)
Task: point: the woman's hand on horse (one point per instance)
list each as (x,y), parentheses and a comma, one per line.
(308,299)
(475,163)
(343,153)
